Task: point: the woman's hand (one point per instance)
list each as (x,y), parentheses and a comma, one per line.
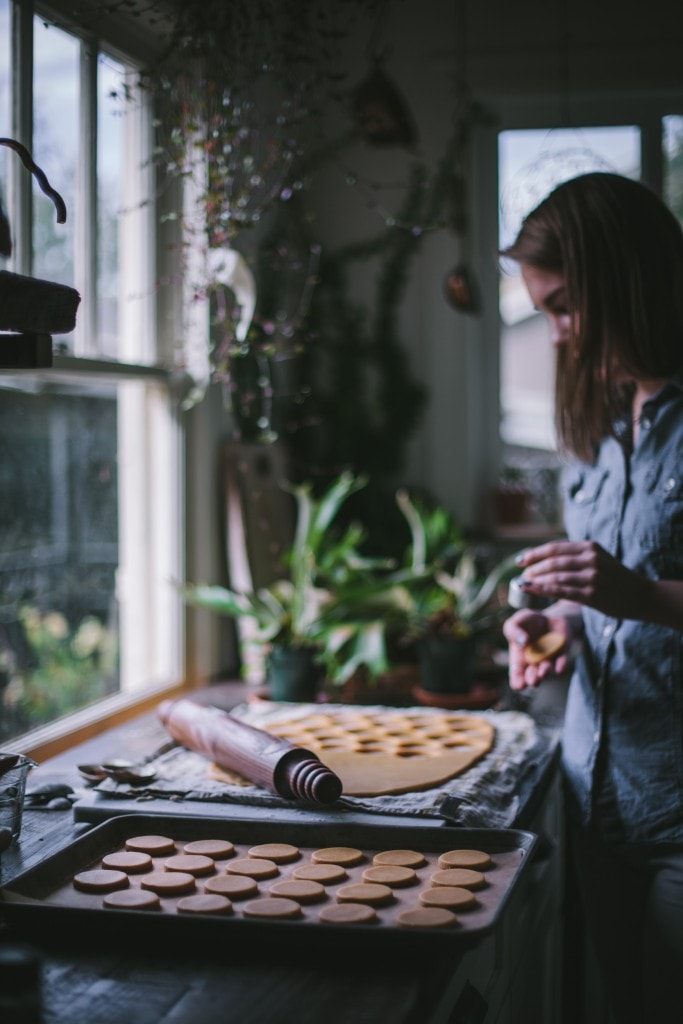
(584,572)
(523,627)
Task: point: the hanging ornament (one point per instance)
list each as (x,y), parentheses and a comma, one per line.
(460,290)
(381,112)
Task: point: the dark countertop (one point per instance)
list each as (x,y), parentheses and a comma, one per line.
(146,987)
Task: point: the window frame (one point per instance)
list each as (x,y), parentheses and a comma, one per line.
(486,456)
(152,363)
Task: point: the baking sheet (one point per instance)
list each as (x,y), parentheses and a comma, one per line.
(43,902)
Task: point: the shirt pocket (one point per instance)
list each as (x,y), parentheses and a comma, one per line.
(581,490)
(661,516)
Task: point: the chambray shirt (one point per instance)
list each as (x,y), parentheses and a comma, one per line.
(622,748)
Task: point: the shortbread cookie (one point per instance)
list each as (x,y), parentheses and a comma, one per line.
(235,887)
(272,907)
(465,859)
(452,896)
(280,853)
(326,874)
(465,878)
(132,899)
(544,647)
(373,893)
(300,889)
(254,867)
(100,880)
(402,858)
(390,874)
(348,913)
(153,845)
(129,861)
(204,903)
(192,863)
(426,917)
(217,849)
(168,883)
(344,856)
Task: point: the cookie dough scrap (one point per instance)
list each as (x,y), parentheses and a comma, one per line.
(381,753)
(546,646)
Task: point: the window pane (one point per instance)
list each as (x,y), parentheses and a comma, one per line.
(531,163)
(87,607)
(59,553)
(110,122)
(673,164)
(55,149)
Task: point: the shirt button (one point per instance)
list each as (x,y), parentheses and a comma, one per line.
(669,484)
(580,496)
(607,630)
(645,422)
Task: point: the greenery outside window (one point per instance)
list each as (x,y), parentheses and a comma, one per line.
(90,449)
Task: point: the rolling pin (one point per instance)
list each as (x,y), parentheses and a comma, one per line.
(272,762)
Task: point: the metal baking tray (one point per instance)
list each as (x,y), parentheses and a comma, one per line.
(42,902)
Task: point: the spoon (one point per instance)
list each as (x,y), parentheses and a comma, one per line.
(119,771)
(8,761)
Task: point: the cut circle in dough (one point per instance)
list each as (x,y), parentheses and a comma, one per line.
(465,878)
(272,907)
(426,917)
(254,867)
(391,753)
(100,880)
(348,913)
(153,845)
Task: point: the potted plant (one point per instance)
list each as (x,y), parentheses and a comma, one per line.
(329,611)
(453,599)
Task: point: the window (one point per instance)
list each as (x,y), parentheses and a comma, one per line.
(91,541)
(647,144)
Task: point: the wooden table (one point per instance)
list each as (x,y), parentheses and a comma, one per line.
(85,985)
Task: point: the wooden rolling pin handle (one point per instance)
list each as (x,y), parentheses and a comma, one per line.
(269,761)
(307,778)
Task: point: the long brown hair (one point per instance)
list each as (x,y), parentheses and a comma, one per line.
(620,250)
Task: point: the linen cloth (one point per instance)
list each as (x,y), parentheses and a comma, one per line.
(485,795)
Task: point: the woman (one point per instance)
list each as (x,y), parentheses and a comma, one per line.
(602,259)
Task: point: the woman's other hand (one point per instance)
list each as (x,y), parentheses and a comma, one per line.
(583,572)
(523,628)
